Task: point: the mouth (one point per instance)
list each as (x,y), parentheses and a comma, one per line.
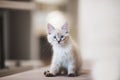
(60,43)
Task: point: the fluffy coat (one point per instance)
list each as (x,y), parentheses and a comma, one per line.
(65,52)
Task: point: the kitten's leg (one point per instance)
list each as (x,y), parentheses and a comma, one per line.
(72,71)
(46,72)
(54,69)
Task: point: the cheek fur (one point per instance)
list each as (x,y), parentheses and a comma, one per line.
(50,39)
(54,40)
(65,39)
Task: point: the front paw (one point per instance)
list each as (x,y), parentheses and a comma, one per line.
(72,75)
(48,74)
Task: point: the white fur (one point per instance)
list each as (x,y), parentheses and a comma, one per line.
(65,54)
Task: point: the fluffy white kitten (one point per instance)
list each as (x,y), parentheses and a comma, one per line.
(65,53)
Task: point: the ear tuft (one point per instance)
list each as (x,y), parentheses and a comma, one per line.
(65,27)
(50,28)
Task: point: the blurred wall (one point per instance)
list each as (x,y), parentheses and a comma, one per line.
(19,34)
(99,30)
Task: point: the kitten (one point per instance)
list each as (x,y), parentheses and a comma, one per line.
(65,54)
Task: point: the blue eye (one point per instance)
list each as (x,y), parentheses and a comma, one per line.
(62,36)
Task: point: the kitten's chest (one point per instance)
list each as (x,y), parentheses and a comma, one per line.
(63,54)
(62,50)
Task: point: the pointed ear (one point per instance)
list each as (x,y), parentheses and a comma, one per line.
(65,27)
(50,28)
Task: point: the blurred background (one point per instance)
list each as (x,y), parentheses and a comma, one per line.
(94,25)
(23,42)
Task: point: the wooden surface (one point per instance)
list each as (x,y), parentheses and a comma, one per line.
(37,74)
(14,70)
(17,5)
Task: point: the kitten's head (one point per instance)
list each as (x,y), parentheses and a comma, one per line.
(58,36)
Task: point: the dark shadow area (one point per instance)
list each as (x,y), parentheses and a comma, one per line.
(45,50)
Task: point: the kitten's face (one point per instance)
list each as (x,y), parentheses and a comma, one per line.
(58,37)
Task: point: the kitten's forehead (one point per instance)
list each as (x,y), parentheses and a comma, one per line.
(59,32)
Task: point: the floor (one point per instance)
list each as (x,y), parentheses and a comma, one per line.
(37,74)
(13,70)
